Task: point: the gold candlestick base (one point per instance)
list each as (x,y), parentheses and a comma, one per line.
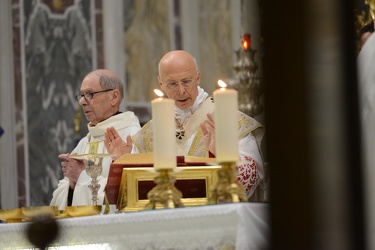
(165,192)
(227,188)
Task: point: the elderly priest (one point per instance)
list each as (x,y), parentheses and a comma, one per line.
(100,97)
(179,78)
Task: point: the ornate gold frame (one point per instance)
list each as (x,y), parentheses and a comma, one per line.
(128,199)
(362,18)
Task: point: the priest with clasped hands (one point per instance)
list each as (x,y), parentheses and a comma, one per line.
(100,97)
(195,129)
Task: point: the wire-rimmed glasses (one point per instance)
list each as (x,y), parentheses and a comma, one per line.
(89,96)
(186,83)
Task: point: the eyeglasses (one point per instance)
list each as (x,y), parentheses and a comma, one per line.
(89,96)
(187,83)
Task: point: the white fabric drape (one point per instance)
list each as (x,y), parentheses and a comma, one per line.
(224,226)
(366,76)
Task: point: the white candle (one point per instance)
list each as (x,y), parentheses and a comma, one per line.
(226,127)
(164,130)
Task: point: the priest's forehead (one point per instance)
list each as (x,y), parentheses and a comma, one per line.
(177,62)
(179,76)
(90,83)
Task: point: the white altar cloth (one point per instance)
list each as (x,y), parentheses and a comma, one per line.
(225,226)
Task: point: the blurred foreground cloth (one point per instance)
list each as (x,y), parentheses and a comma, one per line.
(366,81)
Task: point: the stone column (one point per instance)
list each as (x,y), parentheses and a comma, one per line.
(113,22)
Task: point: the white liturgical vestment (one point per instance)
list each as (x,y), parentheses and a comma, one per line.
(126,124)
(250,134)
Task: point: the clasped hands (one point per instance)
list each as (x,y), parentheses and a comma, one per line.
(117,146)
(71,168)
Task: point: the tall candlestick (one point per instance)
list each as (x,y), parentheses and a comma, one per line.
(163,124)
(226,128)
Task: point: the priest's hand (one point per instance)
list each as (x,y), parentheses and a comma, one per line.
(208,128)
(72,168)
(115,144)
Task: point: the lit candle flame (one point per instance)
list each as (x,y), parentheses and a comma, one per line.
(246,41)
(245,45)
(158,92)
(221,84)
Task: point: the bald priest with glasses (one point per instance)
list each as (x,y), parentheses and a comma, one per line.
(100,96)
(179,78)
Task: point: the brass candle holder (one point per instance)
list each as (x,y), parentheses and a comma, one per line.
(164,193)
(247,83)
(227,188)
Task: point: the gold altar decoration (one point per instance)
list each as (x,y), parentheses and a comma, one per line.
(364,17)
(11,215)
(78,211)
(30,213)
(27,214)
(227,188)
(135,180)
(164,193)
(248,85)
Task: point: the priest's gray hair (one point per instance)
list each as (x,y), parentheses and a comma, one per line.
(109,80)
